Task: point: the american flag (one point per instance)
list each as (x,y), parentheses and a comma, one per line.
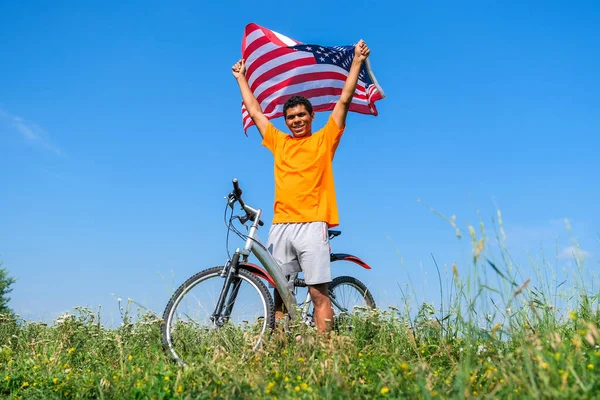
(278,67)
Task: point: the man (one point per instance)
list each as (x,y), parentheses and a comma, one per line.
(305,203)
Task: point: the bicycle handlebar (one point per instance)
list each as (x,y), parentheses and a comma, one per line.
(250,212)
(236,189)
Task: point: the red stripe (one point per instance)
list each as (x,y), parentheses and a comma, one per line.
(294,80)
(310,93)
(280,69)
(261,41)
(271,55)
(247,31)
(269,36)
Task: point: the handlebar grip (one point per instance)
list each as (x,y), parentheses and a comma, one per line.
(260,223)
(236,187)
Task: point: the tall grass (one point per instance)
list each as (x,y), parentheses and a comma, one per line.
(498,333)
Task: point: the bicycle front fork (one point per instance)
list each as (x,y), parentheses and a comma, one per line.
(226,300)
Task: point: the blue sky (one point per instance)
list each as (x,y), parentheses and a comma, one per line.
(120,132)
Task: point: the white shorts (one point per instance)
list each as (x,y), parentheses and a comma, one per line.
(302,247)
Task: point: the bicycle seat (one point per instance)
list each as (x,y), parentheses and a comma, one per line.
(333,234)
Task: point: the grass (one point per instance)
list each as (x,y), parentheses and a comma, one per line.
(519,338)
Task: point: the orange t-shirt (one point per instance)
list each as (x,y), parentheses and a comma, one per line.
(304,187)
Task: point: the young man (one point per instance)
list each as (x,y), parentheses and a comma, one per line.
(305,203)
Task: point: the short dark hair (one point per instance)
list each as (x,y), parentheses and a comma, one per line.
(297,101)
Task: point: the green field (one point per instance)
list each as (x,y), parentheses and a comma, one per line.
(520,338)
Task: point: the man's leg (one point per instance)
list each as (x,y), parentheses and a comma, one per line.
(278,305)
(312,244)
(323,310)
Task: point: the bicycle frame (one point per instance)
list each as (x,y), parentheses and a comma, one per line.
(272,267)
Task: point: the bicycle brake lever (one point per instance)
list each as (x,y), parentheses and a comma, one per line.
(231,200)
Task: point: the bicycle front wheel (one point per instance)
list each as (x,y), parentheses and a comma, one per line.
(191,331)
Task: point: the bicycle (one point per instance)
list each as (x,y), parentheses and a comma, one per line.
(240,284)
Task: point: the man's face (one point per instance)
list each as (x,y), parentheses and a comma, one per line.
(299,121)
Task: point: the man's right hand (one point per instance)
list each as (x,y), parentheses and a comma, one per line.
(252,106)
(239,69)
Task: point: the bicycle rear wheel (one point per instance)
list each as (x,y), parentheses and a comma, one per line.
(189,333)
(347,293)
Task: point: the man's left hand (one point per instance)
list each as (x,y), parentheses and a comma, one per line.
(361,51)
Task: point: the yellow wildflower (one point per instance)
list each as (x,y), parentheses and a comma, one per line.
(26,384)
(385,390)
(557,356)
(404,366)
(71,350)
(297,388)
(180,389)
(167,378)
(55,381)
(270,387)
(573,315)
(130,357)
(301,359)
(590,366)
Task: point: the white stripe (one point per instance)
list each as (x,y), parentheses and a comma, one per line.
(285,39)
(305,69)
(276,62)
(264,49)
(253,36)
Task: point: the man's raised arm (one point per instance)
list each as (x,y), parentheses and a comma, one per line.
(361,52)
(252,105)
